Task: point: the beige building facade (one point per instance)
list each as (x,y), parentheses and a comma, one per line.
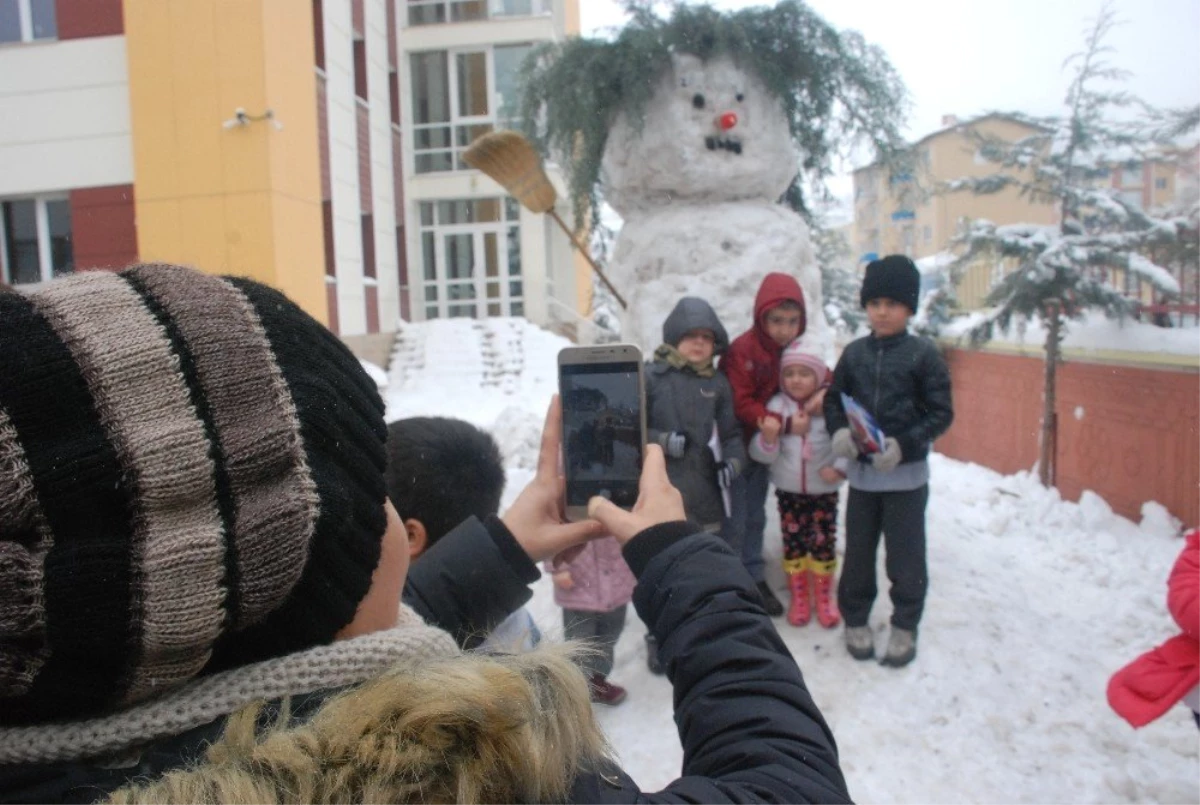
(902,212)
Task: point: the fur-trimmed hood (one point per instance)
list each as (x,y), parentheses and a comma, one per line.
(473,728)
(463,728)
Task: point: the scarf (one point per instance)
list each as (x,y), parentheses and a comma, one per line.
(346,662)
(670,356)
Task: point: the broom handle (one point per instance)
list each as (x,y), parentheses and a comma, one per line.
(554,214)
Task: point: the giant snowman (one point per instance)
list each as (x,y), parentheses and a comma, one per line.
(697,185)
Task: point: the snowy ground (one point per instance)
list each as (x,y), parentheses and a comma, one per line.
(1034,602)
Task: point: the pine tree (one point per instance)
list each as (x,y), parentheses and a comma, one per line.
(1060,271)
(839,283)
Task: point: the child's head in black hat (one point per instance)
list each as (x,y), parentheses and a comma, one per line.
(890,291)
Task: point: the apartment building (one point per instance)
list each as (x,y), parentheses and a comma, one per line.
(311,144)
(898,212)
(473,250)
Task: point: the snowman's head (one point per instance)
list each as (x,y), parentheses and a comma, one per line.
(711,132)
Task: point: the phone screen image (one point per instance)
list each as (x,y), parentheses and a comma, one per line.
(601,407)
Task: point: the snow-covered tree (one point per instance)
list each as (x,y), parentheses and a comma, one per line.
(839,283)
(1059,271)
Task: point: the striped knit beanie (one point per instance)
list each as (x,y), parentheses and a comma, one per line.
(191,479)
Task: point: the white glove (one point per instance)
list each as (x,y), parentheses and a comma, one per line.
(843,444)
(889,458)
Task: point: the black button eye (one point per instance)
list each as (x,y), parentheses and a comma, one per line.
(698,101)
(740,97)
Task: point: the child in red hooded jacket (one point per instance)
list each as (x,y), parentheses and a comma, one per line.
(752,366)
(1153,683)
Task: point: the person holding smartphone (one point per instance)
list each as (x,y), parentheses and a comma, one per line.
(275,660)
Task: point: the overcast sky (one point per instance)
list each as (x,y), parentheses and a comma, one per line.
(966,56)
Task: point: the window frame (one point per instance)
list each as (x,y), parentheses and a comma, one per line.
(538,8)
(507,232)
(457,121)
(42,226)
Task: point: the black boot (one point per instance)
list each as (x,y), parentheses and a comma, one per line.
(771,604)
(652,656)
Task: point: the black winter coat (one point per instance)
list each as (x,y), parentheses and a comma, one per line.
(680,400)
(904,383)
(749,728)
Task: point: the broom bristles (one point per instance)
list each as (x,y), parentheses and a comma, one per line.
(511,160)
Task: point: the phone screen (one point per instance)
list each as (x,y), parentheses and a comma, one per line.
(601,432)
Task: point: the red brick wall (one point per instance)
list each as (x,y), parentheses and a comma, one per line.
(103,233)
(1137,436)
(79,19)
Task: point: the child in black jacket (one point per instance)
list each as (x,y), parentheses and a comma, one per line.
(903,382)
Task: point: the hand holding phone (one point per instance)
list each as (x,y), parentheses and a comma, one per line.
(604,424)
(657,502)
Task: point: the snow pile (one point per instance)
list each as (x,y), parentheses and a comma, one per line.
(475,370)
(1094,331)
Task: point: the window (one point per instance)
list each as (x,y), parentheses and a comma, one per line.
(434,12)
(927,233)
(458,96)
(471,258)
(1160,183)
(27,20)
(35,239)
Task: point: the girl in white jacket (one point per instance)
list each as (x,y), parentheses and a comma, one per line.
(806,477)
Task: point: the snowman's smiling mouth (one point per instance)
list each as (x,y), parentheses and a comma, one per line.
(723,143)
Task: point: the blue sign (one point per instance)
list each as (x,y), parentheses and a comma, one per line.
(903,215)
(868,257)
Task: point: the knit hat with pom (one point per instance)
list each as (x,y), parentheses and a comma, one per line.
(191,479)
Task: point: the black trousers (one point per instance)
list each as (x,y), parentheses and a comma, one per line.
(900,516)
(601,629)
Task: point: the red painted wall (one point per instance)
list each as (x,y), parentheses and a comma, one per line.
(103,232)
(1137,436)
(79,19)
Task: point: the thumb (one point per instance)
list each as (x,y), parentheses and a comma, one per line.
(615,520)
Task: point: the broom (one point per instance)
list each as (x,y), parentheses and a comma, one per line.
(511,160)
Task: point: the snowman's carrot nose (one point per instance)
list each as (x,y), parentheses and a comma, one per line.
(727,121)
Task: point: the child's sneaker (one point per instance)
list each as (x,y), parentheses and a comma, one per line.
(770,603)
(652,661)
(902,648)
(605,692)
(860,642)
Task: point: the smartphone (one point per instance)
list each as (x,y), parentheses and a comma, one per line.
(603,395)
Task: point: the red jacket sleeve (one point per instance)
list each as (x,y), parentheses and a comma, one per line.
(1153,683)
(746,407)
(1183,587)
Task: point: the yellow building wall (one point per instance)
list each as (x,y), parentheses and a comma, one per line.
(245,200)
(953,156)
(571,22)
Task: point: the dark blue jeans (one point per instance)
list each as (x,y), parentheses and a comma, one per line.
(744,529)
